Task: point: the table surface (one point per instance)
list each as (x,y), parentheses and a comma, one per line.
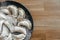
(46,17)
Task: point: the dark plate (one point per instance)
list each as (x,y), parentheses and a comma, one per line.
(19,5)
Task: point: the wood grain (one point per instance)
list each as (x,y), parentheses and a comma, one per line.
(46,16)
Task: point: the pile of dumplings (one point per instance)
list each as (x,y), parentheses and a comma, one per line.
(13,23)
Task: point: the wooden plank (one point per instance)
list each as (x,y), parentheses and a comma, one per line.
(46,16)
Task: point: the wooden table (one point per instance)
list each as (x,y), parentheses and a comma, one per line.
(46,16)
